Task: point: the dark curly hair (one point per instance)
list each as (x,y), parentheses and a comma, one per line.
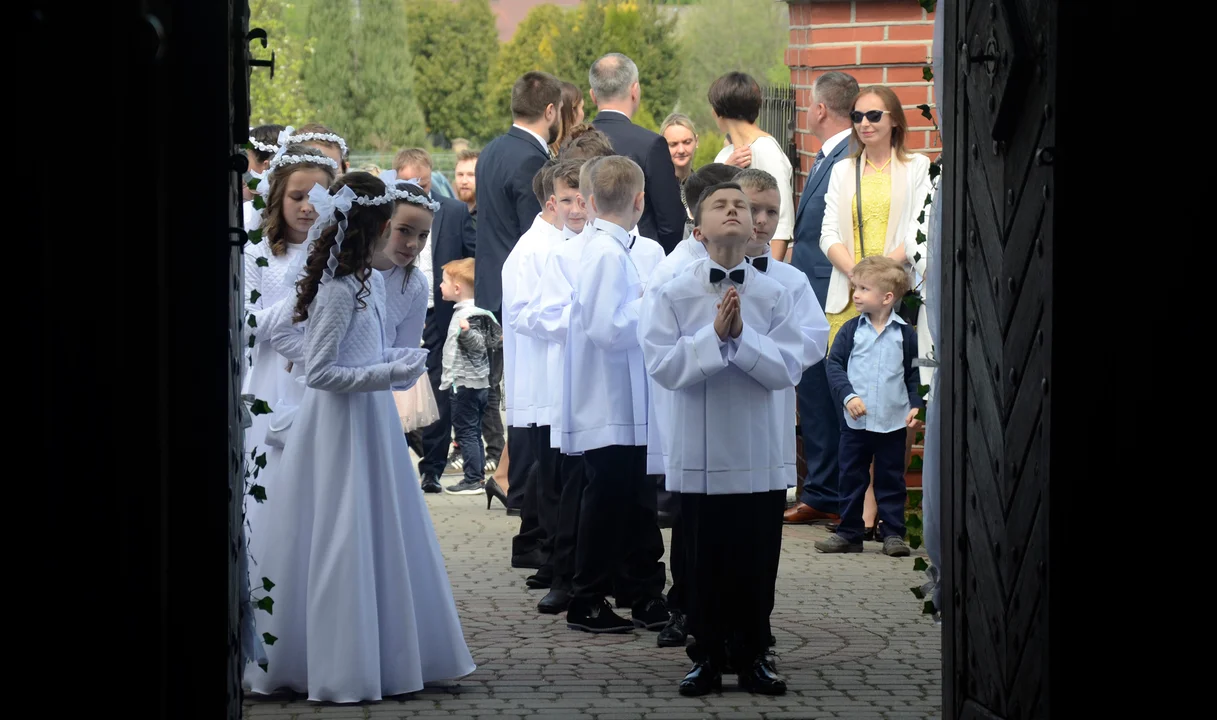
(272,227)
(365,225)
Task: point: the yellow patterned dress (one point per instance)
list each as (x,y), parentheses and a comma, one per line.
(877,189)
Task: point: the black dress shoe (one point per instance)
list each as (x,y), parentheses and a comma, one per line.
(555,601)
(531,561)
(665,519)
(431,484)
(762,678)
(676,632)
(596,617)
(513,512)
(651,615)
(542,580)
(703,679)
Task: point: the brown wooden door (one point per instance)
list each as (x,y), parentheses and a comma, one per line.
(999,130)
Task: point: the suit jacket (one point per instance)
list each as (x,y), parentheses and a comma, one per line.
(664,216)
(809,221)
(506,208)
(452,238)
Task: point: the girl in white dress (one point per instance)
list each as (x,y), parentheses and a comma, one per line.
(272,266)
(363,607)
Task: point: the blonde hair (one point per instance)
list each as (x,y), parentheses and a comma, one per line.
(616,180)
(460,270)
(886,273)
(680,119)
(414,157)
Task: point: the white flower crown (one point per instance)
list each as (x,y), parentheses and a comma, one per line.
(328,137)
(393,192)
(264,147)
(281,160)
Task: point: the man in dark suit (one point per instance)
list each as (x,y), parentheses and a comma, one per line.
(507,207)
(452,238)
(617,94)
(833,95)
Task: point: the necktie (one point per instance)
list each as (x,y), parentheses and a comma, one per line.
(760,262)
(816,165)
(717,276)
(633,238)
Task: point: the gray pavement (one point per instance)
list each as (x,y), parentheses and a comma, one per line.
(852,643)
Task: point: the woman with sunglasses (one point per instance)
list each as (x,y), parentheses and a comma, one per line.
(894,184)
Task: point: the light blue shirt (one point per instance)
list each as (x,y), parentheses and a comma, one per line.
(876,372)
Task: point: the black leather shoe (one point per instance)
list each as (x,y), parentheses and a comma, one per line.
(596,617)
(762,678)
(651,615)
(541,580)
(531,561)
(676,632)
(703,679)
(555,601)
(431,484)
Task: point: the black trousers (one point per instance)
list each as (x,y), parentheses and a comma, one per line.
(572,479)
(544,493)
(676,556)
(520,471)
(619,550)
(732,547)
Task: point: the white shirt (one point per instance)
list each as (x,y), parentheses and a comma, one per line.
(546,317)
(727,406)
(831,143)
(523,354)
(767,155)
(540,139)
(426,264)
(603,358)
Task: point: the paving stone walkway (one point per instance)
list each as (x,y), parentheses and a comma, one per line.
(852,643)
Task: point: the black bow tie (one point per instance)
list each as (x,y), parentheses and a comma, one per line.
(633,238)
(760,262)
(717,276)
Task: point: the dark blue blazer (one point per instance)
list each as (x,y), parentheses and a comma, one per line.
(452,238)
(506,208)
(837,363)
(663,217)
(808,222)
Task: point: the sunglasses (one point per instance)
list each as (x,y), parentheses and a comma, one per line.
(872,115)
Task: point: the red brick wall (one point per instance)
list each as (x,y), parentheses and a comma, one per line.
(879,42)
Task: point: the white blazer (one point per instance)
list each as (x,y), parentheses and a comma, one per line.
(910,187)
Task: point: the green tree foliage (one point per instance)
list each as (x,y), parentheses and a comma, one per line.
(329,73)
(387,113)
(280,100)
(454,47)
(567,42)
(718,36)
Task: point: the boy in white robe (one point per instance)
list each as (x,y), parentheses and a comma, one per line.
(724,339)
(527,395)
(619,548)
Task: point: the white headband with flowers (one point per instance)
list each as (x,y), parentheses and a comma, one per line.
(327,206)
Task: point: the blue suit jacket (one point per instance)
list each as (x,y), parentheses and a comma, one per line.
(506,208)
(808,222)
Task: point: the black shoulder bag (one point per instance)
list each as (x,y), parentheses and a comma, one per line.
(906,308)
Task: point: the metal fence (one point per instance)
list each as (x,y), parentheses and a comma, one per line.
(778,119)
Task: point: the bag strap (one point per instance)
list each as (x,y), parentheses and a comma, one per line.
(858,202)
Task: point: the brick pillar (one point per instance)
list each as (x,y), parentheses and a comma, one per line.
(879,42)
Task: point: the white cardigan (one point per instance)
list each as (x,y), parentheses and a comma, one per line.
(910,187)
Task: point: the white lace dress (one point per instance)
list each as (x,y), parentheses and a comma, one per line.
(363,608)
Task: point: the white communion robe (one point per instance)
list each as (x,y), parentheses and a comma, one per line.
(523,354)
(726,405)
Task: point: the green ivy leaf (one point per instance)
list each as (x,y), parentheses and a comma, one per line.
(923,390)
(259,203)
(253,453)
(925,112)
(928,5)
(921,417)
(935,170)
(262,262)
(255,237)
(257,492)
(256,471)
(267,585)
(251,321)
(921,238)
(915,465)
(252,184)
(251,341)
(913,522)
(916,258)
(260,461)
(912,302)
(918,592)
(268,639)
(927,72)
(921,217)
(247,146)
(253,296)
(914,541)
(263,665)
(928,608)
(920,565)
(259,407)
